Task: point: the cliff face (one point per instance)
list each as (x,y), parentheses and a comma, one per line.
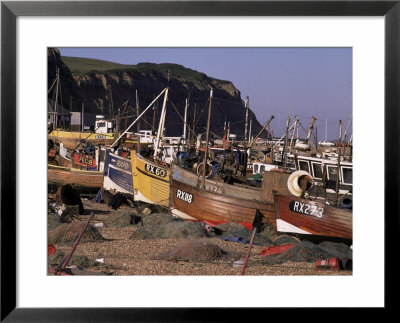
(104,90)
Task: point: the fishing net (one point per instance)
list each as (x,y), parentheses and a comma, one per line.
(157,218)
(193,250)
(232,229)
(53,221)
(121,220)
(81,261)
(64,233)
(306,251)
(173,230)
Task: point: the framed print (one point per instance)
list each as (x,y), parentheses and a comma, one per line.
(369,33)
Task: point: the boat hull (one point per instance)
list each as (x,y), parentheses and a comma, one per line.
(150,180)
(70,138)
(118,174)
(200,204)
(296,215)
(80,178)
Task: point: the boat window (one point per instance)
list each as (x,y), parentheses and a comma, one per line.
(332,172)
(101,124)
(255,168)
(317,169)
(303,165)
(347,173)
(262,169)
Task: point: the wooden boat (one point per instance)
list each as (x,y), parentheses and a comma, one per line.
(297,215)
(150,179)
(80,178)
(218,201)
(118,173)
(70,138)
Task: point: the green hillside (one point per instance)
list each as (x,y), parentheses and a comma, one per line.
(80,66)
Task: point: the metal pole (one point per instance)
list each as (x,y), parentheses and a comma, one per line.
(203,182)
(64,263)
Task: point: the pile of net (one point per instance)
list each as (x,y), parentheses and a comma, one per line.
(306,251)
(231,230)
(193,250)
(69,232)
(77,260)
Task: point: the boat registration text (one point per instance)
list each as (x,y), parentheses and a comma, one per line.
(184,196)
(155,170)
(307,209)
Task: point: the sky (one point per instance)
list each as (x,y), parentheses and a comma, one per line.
(284,82)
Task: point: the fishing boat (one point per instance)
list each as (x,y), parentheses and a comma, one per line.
(82,167)
(303,216)
(195,195)
(150,175)
(216,201)
(150,179)
(80,178)
(118,172)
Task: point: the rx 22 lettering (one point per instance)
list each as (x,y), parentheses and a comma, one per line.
(307,209)
(184,196)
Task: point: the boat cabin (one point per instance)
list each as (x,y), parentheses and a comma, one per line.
(316,167)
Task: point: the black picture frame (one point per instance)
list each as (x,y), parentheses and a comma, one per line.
(10,10)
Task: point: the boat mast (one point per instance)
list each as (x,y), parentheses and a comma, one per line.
(246,105)
(160,125)
(56,101)
(326,129)
(185,117)
(83,104)
(137,111)
(294,131)
(203,181)
(258,135)
(251,122)
(310,129)
(138,117)
(286,142)
(338,166)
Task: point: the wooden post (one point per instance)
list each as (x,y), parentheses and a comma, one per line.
(203,182)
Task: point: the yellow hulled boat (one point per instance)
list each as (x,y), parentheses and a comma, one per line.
(150,180)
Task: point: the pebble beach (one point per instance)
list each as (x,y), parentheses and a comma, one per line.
(120,248)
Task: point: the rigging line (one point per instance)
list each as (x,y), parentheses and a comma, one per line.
(190,129)
(51,87)
(198,119)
